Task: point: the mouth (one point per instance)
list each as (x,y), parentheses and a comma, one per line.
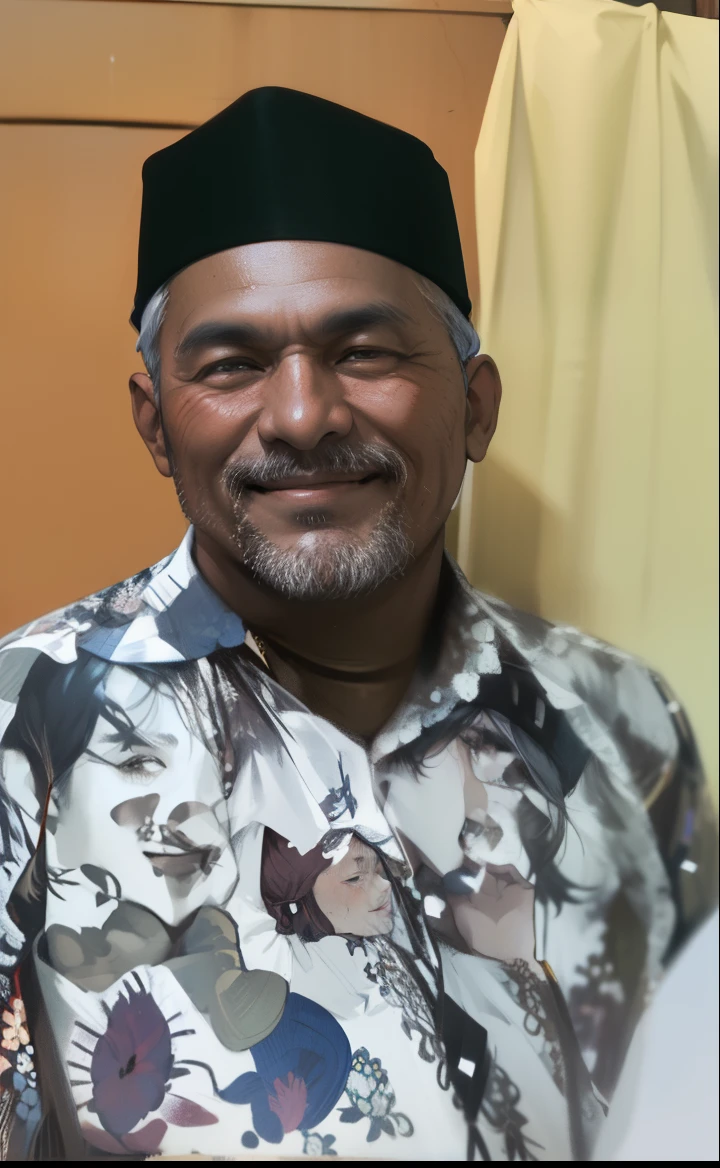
(385,907)
(312,488)
(180,862)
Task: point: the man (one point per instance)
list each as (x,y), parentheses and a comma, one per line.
(310,849)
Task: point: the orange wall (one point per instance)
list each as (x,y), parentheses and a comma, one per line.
(81,503)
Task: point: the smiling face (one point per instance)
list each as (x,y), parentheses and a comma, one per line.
(141,804)
(354,894)
(314,413)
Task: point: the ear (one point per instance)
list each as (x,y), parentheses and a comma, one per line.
(483,404)
(146,414)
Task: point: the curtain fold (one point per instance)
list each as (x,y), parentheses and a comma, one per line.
(596,203)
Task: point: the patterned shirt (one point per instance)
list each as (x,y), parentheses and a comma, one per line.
(228,925)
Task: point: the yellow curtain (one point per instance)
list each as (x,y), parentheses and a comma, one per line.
(596,200)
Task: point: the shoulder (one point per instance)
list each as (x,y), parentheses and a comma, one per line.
(623,692)
(636,726)
(116,603)
(100,617)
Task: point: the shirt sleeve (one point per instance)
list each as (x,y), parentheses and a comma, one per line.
(683,816)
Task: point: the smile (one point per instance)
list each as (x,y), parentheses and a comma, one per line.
(312,489)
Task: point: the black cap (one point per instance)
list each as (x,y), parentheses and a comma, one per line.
(279,164)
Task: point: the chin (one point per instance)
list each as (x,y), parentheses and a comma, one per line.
(327,562)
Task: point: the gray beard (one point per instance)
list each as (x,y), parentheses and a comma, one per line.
(328,563)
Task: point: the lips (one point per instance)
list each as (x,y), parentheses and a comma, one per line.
(385,907)
(183,861)
(310,483)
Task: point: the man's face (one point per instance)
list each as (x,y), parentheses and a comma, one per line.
(314,415)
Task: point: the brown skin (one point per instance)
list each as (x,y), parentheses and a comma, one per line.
(299,384)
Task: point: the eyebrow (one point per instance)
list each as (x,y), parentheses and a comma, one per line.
(159,739)
(335,324)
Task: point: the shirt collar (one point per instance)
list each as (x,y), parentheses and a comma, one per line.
(164,614)
(169,613)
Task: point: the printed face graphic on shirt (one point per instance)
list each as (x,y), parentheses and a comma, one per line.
(490,834)
(353,892)
(494,910)
(142,802)
(478,828)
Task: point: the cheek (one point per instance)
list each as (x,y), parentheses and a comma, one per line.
(92,791)
(438,462)
(353,904)
(329,897)
(85,829)
(193,772)
(422,420)
(348,898)
(437,437)
(204,430)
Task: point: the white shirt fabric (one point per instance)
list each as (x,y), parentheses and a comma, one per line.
(667,1098)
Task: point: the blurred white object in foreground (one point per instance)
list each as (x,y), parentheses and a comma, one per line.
(666,1103)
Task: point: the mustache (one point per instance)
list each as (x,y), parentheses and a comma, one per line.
(361,459)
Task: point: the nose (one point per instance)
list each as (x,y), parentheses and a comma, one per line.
(304,403)
(150,831)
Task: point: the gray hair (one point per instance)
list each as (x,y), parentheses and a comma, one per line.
(460,329)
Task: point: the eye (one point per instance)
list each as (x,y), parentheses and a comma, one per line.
(141,766)
(228,367)
(377,358)
(363,354)
(353,880)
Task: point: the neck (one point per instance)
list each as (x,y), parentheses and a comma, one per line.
(349,661)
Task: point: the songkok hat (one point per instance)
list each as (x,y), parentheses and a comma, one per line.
(279,164)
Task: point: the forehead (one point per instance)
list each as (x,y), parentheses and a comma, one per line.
(290,275)
(351,852)
(125,689)
(360,852)
(150,709)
